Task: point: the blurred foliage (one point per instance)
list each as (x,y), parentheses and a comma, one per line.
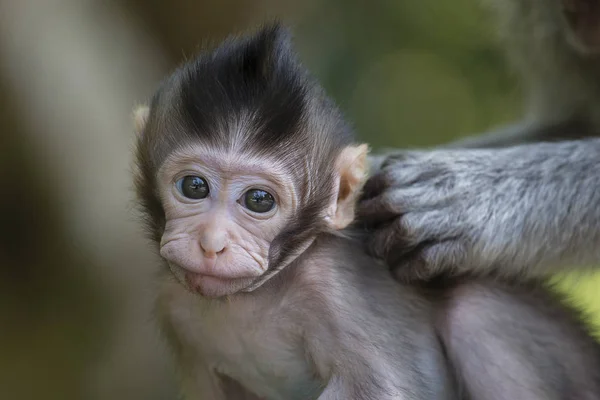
(47,302)
(411,73)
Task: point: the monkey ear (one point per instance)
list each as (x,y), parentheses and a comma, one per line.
(352,167)
(140,118)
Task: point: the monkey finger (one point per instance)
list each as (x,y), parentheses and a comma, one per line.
(386,178)
(384,208)
(376,185)
(399,176)
(386,239)
(397,237)
(394,203)
(379,209)
(411,230)
(429,261)
(407,175)
(410,270)
(430,225)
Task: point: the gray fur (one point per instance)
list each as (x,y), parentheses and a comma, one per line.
(517,342)
(518,200)
(520,210)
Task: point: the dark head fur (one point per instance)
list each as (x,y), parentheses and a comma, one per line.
(256,84)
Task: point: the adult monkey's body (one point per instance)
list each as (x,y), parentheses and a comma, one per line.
(503,202)
(248,176)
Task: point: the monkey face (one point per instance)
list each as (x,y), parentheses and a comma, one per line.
(222,211)
(241,162)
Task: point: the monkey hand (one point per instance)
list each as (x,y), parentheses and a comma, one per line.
(453,211)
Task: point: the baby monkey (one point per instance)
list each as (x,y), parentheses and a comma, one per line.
(248,176)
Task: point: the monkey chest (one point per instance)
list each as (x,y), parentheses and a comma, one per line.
(261,354)
(267,366)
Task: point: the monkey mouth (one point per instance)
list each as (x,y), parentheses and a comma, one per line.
(196,280)
(211,286)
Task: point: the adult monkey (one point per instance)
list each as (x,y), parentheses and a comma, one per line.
(523,200)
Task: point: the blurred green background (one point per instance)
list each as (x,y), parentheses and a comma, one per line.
(75,272)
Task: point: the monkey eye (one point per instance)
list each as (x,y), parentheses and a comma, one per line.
(258,201)
(193,187)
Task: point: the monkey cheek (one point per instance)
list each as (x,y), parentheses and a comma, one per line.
(182,252)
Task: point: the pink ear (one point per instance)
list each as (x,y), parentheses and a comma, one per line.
(583,17)
(140,118)
(351,166)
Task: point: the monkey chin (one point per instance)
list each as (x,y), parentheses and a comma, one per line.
(209,286)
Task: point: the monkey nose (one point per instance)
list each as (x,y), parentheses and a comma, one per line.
(211,252)
(213,245)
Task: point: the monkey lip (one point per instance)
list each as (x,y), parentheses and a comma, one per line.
(195,278)
(208,270)
(214,286)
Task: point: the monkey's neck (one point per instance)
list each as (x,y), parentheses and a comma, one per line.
(327,254)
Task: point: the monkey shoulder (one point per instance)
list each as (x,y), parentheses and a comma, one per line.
(340,270)
(353,295)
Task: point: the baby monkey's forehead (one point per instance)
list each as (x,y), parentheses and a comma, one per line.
(227,162)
